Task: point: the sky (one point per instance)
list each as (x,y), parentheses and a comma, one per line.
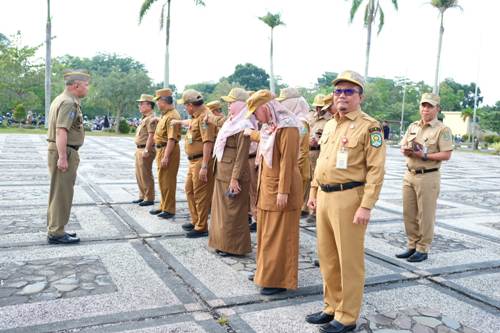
(208,42)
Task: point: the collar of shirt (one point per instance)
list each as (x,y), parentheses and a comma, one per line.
(349,115)
(73,97)
(199,112)
(433,123)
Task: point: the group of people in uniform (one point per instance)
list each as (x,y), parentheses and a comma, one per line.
(273,159)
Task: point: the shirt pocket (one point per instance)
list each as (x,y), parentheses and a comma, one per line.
(432,146)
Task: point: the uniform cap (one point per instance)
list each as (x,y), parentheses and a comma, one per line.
(287,93)
(190,96)
(165,92)
(350,76)
(328,102)
(257,99)
(319,100)
(145,98)
(236,94)
(430,98)
(214,106)
(78,75)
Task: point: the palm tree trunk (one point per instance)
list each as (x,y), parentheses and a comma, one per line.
(48,63)
(117,119)
(368,46)
(166,78)
(440,44)
(271,80)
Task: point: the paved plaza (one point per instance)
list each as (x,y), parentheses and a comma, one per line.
(134,272)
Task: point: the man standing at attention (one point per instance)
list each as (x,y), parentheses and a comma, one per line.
(65,136)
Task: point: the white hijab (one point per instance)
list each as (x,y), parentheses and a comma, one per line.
(236,123)
(281,117)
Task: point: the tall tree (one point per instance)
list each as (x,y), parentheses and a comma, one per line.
(249,76)
(442,6)
(372,11)
(48,63)
(272,20)
(146,5)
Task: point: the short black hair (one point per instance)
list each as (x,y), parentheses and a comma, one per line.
(198,103)
(152,104)
(167,99)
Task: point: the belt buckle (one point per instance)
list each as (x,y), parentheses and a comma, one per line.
(341,187)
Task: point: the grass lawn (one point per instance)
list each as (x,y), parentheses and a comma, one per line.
(17,130)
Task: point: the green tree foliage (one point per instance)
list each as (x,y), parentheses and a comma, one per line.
(21,77)
(466,91)
(489,117)
(249,77)
(206,88)
(19,113)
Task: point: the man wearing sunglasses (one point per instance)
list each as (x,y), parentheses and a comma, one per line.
(346,184)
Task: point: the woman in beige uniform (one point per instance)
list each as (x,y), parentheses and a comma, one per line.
(229,232)
(279,193)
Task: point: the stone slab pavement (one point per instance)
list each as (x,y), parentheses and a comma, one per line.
(134,272)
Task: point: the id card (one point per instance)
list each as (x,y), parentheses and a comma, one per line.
(189,137)
(342,159)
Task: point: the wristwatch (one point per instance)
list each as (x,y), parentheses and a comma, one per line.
(425,158)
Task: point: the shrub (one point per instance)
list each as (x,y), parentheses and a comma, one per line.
(496,147)
(133,129)
(492,138)
(123,127)
(19,113)
(465,137)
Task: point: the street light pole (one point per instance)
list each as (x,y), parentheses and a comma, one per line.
(48,64)
(402,112)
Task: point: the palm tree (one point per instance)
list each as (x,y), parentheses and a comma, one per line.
(144,8)
(272,20)
(442,6)
(48,63)
(372,11)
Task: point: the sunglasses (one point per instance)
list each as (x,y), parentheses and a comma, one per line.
(347,92)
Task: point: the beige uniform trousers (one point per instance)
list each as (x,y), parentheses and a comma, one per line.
(341,253)
(253,187)
(167,178)
(313,157)
(420,194)
(199,194)
(144,175)
(61,191)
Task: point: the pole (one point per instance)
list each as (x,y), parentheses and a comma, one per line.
(473,132)
(48,64)
(401,132)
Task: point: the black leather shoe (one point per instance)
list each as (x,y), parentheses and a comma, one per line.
(319,318)
(251,277)
(196,234)
(65,239)
(316,262)
(337,327)
(408,253)
(71,234)
(253,227)
(222,253)
(271,291)
(417,257)
(250,220)
(166,215)
(187,226)
(155,211)
(304,214)
(138,201)
(311,219)
(146,203)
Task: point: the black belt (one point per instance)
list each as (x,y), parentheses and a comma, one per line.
(194,157)
(74,147)
(161,145)
(422,171)
(252,155)
(340,187)
(314,148)
(141,146)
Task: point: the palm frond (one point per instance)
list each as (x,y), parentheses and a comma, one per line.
(354,8)
(162,16)
(199,2)
(272,20)
(381,21)
(368,15)
(395,4)
(144,8)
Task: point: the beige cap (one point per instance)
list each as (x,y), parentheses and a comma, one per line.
(214,106)
(319,100)
(350,76)
(430,98)
(328,102)
(165,92)
(190,96)
(287,93)
(78,75)
(146,98)
(236,94)
(257,99)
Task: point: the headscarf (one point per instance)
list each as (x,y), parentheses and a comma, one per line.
(297,106)
(281,117)
(235,123)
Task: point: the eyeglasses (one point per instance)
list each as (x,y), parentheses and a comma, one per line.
(347,92)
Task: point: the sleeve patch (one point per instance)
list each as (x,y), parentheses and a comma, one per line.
(375,139)
(374,129)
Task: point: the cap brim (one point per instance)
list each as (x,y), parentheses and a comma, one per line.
(180,101)
(327,106)
(280,99)
(249,113)
(316,105)
(228,99)
(334,82)
(156,98)
(430,101)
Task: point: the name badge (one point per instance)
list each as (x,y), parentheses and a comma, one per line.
(342,159)
(189,137)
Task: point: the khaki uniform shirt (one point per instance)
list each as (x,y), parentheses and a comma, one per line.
(304,165)
(65,112)
(165,130)
(363,142)
(198,133)
(431,138)
(146,127)
(317,124)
